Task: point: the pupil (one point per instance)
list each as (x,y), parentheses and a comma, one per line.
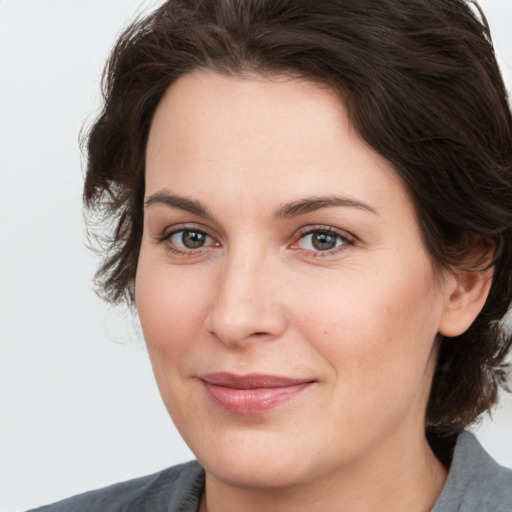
(193,239)
(324,241)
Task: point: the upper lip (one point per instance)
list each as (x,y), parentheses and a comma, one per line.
(251,381)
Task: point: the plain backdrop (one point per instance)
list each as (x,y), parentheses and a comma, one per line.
(78,405)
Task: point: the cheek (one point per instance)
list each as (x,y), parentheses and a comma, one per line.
(171,307)
(171,312)
(377,336)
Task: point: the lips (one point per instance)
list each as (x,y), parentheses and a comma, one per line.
(251,394)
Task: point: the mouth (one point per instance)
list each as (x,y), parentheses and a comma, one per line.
(253,393)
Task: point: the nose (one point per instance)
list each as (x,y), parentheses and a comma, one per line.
(246,305)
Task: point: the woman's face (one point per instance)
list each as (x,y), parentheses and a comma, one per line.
(288,304)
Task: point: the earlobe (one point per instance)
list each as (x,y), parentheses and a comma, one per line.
(465,299)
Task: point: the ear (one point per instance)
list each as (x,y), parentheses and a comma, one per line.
(466,293)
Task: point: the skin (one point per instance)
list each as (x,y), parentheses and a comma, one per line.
(359,319)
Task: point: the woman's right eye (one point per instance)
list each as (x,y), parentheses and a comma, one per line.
(187,240)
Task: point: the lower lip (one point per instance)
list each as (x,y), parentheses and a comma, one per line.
(252,401)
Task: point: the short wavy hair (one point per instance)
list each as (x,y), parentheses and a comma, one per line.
(421,85)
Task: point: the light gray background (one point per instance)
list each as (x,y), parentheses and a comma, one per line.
(79,408)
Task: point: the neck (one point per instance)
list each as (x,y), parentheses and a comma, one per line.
(400,476)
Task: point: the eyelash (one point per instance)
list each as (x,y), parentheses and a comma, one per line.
(339,236)
(166,236)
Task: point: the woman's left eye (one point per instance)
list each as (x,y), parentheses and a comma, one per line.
(321,240)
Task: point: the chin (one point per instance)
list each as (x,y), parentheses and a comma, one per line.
(261,472)
(258,459)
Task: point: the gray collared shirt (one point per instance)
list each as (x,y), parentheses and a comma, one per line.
(476,483)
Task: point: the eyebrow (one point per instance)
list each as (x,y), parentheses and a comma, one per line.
(311,204)
(179,202)
(287,210)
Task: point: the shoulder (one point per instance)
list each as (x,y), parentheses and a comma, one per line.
(176,488)
(476,482)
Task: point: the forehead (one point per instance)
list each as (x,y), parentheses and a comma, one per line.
(234,111)
(257,137)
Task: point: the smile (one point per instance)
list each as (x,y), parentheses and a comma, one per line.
(251,394)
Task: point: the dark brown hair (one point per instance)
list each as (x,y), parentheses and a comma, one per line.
(421,85)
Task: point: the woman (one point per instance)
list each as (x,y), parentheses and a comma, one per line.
(312,205)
